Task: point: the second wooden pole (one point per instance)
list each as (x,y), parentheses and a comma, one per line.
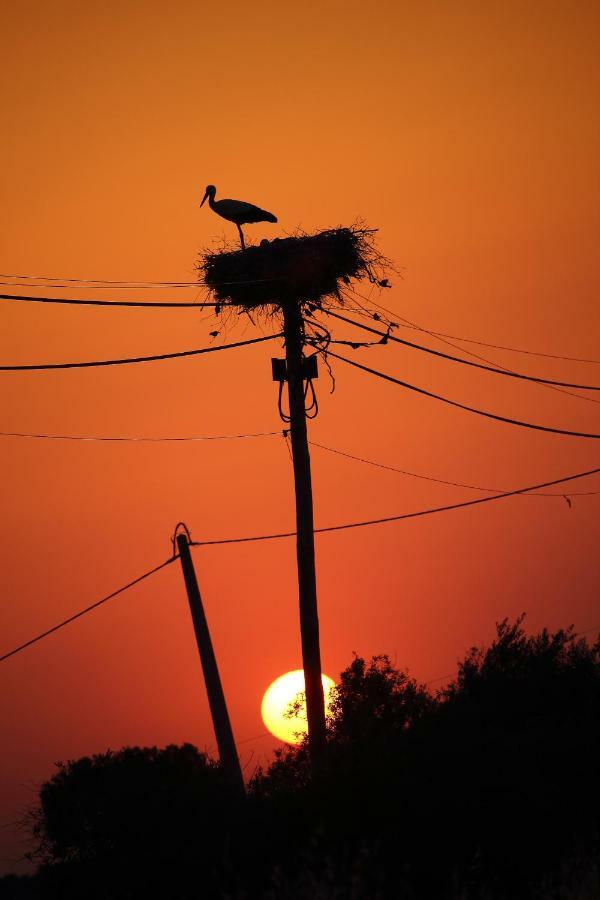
(216,697)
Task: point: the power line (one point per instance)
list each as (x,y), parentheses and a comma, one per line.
(465,362)
(549,387)
(101,281)
(472,487)
(139,303)
(441,334)
(87,609)
(76,437)
(175,304)
(99,284)
(479,412)
(137,359)
(407,322)
(99,287)
(397,518)
(455,337)
(413,515)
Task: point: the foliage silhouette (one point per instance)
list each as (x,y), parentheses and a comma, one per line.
(19,887)
(486,789)
(128,823)
(493,783)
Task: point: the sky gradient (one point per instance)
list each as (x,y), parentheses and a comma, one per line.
(469,136)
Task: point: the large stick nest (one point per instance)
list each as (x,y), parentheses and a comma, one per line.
(306,268)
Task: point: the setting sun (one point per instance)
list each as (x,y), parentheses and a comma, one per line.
(277,702)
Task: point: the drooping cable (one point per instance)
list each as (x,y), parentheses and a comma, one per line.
(145,304)
(97,281)
(153,440)
(454,337)
(387,336)
(137,359)
(548,387)
(103,283)
(440,334)
(285,417)
(400,321)
(311,411)
(460,484)
(83,612)
(346,526)
(479,412)
(402,516)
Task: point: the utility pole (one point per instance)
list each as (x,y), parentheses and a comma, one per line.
(305,543)
(216,698)
(275,275)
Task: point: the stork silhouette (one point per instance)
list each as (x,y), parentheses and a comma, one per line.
(237,211)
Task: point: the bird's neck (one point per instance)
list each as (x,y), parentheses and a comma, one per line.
(211,201)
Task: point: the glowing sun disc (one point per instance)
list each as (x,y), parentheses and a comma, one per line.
(276,703)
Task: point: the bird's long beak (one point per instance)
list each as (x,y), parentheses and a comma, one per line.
(204,200)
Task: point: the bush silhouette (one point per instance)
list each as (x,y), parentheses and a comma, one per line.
(486,789)
(492,782)
(127,823)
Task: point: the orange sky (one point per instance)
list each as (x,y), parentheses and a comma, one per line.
(469,136)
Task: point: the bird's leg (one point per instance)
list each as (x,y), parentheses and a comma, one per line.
(239,228)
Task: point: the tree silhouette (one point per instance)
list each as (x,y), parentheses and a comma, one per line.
(487,789)
(493,783)
(129,823)
(521,727)
(19,887)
